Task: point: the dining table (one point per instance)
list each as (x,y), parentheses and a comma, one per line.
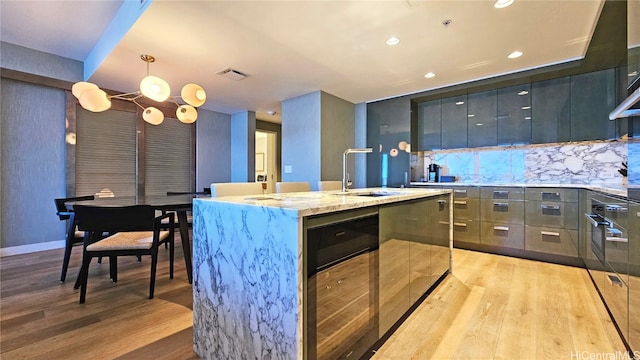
(180,204)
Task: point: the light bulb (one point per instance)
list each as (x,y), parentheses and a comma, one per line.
(153,116)
(95,100)
(155,88)
(186,114)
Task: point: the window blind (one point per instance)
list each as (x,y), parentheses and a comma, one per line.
(105,152)
(168,157)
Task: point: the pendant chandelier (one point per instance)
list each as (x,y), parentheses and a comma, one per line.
(94,99)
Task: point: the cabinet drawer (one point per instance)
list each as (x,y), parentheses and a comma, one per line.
(439,208)
(466,209)
(465,192)
(551,241)
(616,294)
(466,231)
(502,193)
(502,234)
(553,214)
(502,211)
(552,194)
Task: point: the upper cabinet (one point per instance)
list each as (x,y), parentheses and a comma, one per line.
(429,125)
(514,115)
(570,108)
(551,111)
(482,119)
(593,96)
(454,122)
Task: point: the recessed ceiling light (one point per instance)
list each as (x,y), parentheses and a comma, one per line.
(523,92)
(471,115)
(500,4)
(271,112)
(526,107)
(429,75)
(515,54)
(393,41)
(460,103)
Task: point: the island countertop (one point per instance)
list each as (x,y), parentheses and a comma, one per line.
(322,202)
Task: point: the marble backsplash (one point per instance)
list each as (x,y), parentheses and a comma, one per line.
(592,162)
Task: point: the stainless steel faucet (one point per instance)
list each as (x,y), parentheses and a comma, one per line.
(345,175)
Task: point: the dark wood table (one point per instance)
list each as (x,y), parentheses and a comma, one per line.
(179,204)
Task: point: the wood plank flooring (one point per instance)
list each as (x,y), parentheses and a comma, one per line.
(491,307)
(496,307)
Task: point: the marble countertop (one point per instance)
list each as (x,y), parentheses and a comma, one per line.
(618,190)
(321,202)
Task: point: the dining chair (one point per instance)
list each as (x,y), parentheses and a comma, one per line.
(136,232)
(324,185)
(292,186)
(165,222)
(236,189)
(72,234)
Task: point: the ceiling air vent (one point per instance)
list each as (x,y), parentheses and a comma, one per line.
(229,73)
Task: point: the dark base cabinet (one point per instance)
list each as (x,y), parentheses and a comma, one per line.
(611,254)
(552,240)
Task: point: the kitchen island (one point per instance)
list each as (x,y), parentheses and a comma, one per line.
(250,265)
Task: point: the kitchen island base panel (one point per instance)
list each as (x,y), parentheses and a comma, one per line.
(250,268)
(246,283)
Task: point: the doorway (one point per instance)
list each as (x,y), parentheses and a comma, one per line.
(266,159)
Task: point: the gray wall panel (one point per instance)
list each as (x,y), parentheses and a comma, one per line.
(243,146)
(213,144)
(301,138)
(40,63)
(337,135)
(33,163)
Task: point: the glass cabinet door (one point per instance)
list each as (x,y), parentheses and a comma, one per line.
(481,119)
(551,111)
(454,122)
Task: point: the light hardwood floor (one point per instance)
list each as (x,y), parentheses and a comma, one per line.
(491,307)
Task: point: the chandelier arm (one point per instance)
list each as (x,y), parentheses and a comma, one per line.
(135,102)
(127,96)
(173,99)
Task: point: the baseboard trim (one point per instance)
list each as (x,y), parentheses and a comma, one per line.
(31,248)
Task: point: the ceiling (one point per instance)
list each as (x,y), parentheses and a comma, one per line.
(291,48)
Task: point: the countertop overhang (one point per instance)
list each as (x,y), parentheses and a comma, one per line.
(321,202)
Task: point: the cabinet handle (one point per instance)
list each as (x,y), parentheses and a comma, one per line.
(460,202)
(616,239)
(442,202)
(460,191)
(443,222)
(500,192)
(339,233)
(501,228)
(550,207)
(550,233)
(460,224)
(501,204)
(550,193)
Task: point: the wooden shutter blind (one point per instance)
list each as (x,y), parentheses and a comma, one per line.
(168,157)
(105,152)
